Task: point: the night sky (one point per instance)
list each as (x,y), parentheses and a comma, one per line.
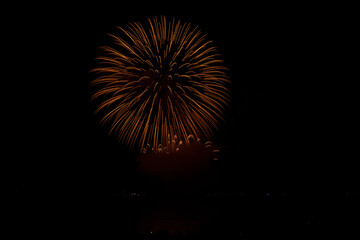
(287,131)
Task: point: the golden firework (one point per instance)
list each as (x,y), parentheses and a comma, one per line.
(159,80)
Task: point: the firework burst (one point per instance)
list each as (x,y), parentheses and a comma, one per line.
(179,160)
(160,80)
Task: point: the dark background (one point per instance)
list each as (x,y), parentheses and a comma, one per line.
(289,128)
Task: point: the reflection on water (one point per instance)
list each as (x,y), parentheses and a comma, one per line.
(213,215)
(235,214)
(182,214)
(186,215)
